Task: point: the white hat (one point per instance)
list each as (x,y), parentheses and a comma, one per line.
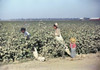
(56,24)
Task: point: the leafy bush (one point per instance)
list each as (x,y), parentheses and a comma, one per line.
(13,45)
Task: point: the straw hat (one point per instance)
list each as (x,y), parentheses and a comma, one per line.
(73,40)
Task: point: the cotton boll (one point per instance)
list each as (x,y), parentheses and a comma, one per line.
(41,59)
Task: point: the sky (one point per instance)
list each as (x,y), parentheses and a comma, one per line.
(14,9)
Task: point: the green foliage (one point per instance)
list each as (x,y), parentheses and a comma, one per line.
(13,45)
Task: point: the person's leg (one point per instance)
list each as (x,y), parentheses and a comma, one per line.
(73,52)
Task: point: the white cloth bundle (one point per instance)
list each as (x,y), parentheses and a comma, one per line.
(35,53)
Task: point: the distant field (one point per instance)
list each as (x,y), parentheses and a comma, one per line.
(14,47)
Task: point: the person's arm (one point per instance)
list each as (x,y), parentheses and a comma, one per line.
(28,37)
(70,45)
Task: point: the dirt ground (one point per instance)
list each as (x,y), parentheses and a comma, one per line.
(82,62)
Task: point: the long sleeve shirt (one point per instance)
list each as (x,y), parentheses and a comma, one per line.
(57,32)
(26,33)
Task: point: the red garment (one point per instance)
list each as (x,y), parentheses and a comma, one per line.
(73,45)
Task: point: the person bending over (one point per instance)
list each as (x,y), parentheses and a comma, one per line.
(26,34)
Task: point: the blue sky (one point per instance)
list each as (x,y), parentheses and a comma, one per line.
(12,9)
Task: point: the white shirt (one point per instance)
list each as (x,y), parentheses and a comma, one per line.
(26,33)
(57,32)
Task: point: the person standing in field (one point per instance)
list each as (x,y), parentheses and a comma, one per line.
(73,47)
(26,34)
(35,53)
(59,38)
